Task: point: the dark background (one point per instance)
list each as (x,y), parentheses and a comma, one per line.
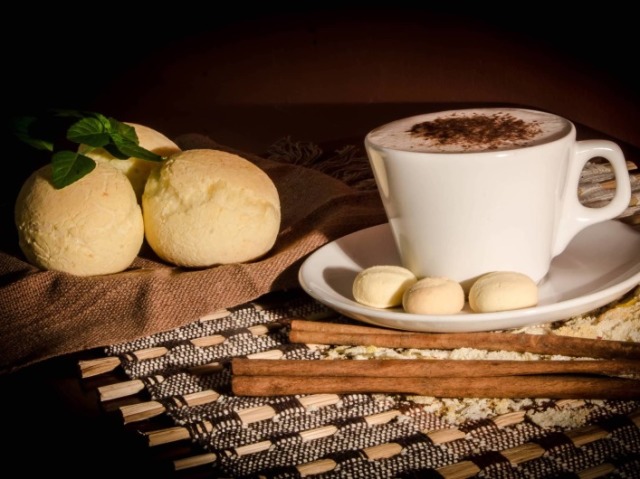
(172,66)
(183,69)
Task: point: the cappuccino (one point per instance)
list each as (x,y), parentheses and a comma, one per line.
(472,191)
(472,130)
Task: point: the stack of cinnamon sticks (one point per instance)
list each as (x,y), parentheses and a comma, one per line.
(608,369)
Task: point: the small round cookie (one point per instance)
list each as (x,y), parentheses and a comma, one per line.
(382,286)
(502,291)
(434,295)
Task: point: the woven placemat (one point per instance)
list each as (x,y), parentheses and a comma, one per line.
(185,373)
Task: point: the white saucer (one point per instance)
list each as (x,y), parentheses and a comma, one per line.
(601,264)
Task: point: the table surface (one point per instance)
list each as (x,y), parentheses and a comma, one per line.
(56,423)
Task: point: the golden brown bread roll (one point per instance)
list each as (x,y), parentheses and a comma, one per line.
(90,227)
(206,207)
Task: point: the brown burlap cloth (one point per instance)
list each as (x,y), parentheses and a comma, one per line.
(46,313)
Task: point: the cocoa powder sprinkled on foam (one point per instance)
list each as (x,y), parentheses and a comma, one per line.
(486,131)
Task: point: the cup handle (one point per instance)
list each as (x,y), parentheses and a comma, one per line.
(575,216)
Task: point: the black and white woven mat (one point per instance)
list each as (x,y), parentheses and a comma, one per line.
(186,375)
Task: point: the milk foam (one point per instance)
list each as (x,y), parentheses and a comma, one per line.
(396,135)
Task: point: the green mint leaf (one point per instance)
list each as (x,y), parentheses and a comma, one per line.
(124,148)
(106,124)
(90,131)
(124,142)
(119,129)
(115,152)
(69,166)
(21,127)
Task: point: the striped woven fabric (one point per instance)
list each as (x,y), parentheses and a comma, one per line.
(186,375)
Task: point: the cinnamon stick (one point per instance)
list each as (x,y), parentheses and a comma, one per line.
(432,368)
(536,386)
(313,332)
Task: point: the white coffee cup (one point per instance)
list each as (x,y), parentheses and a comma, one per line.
(461,209)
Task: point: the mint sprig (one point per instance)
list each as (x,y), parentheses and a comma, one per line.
(93,130)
